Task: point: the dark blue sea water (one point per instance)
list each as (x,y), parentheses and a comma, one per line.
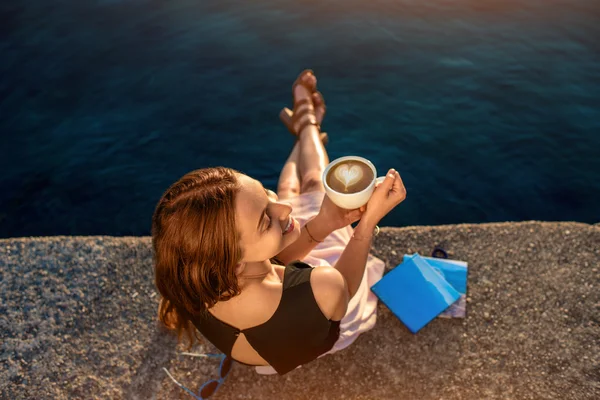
(489,109)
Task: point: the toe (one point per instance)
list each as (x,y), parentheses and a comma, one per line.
(308,79)
(318,100)
(302,91)
(305,85)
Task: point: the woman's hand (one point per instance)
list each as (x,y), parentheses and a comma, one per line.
(333,217)
(386,196)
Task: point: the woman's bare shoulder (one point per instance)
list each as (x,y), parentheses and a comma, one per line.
(331,292)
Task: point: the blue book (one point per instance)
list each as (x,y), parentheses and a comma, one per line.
(415,292)
(455,272)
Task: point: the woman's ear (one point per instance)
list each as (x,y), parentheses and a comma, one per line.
(239,268)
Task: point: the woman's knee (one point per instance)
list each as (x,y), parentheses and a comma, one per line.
(287,189)
(312,182)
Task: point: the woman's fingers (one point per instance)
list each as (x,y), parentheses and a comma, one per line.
(398,187)
(397,181)
(352,216)
(387,183)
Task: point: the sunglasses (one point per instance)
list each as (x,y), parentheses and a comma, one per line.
(210,387)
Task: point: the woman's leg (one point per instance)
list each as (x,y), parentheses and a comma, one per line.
(312,157)
(289,180)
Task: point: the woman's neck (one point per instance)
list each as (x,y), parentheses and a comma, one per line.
(258,272)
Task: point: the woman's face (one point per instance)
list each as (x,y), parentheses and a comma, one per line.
(262,220)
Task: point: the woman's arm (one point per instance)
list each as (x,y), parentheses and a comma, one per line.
(319,230)
(353,260)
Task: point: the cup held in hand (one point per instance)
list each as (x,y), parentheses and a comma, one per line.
(350,181)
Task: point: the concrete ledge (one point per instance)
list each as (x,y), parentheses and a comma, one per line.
(77,319)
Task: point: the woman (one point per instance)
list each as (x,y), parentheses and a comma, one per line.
(227,255)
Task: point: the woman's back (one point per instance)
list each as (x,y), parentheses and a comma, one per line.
(282,324)
(253,307)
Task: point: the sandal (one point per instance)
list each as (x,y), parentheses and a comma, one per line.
(287,116)
(302,108)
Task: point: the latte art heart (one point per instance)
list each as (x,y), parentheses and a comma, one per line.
(348,176)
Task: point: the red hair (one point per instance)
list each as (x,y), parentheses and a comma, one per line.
(196,246)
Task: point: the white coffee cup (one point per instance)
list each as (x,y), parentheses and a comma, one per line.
(351,201)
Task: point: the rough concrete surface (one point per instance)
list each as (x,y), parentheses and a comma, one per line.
(78,320)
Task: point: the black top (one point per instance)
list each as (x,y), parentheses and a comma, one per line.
(297,333)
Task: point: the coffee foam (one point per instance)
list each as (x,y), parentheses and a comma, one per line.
(348,175)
